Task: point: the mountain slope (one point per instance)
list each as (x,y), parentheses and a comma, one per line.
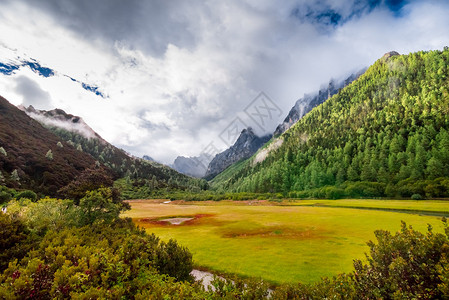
(308,102)
(301,107)
(42,161)
(245,146)
(193,166)
(74,131)
(388,131)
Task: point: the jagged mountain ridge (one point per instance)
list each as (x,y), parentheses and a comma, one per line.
(246,145)
(308,102)
(383,135)
(301,108)
(193,166)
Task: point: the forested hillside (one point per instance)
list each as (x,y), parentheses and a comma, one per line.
(31,157)
(386,134)
(57,162)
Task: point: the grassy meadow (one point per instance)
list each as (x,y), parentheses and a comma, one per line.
(289,241)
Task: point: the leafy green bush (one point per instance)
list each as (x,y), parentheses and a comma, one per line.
(4,197)
(332,192)
(365,189)
(27,194)
(416,197)
(13,237)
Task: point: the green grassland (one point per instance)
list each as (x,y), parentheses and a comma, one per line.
(436,207)
(282,242)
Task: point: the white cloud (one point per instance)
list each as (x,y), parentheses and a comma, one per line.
(177,74)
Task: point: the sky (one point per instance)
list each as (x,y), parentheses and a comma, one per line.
(168,78)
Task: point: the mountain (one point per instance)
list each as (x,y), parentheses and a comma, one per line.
(73,130)
(34,158)
(147,157)
(246,145)
(301,107)
(308,102)
(193,166)
(59,118)
(386,134)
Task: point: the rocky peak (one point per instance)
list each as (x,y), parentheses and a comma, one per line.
(390,54)
(244,147)
(308,102)
(59,118)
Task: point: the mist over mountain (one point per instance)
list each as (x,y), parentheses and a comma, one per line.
(193,166)
(59,118)
(382,135)
(309,101)
(33,157)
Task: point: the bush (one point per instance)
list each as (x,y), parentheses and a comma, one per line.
(402,266)
(416,197)
(365,189)
(27,194)
(174,260)
(332,192)
(13,235)
(4,197)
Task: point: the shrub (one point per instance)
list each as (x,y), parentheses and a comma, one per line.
(12,236)
(365,189)
(88,180)
(27,194)
(174,260)
(4,197)
(402,266)
(332,192)
(416,197)
(100,206)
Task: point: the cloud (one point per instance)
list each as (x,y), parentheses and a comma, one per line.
(32,93)
(177,73)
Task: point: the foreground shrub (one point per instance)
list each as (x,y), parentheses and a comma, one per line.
(14,239)
(98,261)
(27,194)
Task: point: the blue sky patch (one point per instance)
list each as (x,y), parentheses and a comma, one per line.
(37,68)
(8,69)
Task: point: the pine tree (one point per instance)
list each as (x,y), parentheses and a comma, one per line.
(49,155)
(434,167)
(15,176)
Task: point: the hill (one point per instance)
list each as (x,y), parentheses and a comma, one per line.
(140,173)
(385,134)
(244,147)
(34,158)
(309,101)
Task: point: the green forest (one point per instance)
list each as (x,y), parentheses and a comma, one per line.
(384,135)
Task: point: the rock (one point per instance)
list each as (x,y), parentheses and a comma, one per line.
(308,102)
(390,54)
(193,166)
(246,145)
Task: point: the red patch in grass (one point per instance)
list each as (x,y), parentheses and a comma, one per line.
(176,220)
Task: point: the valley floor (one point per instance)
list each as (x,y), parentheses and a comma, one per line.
(288,241)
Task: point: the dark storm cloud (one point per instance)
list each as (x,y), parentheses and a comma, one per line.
(147,25)
(32,93)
